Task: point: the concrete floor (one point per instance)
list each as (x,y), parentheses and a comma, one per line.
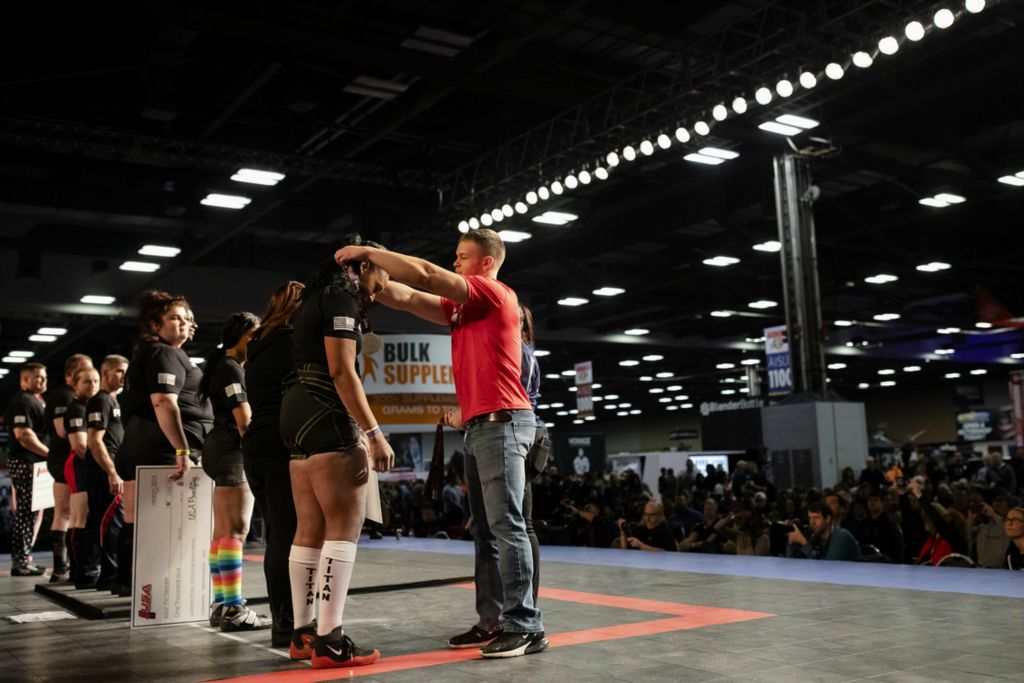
(611,615)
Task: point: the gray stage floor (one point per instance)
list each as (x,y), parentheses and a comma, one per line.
(607,623)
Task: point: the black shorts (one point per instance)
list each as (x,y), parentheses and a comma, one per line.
(144,444)
(313,418)
(222,457)
(56,469)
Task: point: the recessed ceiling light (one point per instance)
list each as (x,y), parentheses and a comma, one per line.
(912,368)
(555,217)
(1012,180)
(887,383)
(952,375)
(843,323)
(653,357)
(721,314)
(553,375)
(558,405)
(609,291)
(763,304)
(99,299)
(664,375)
(693,157)
(646,378)
(612,397)
(1017,356)
(944,352)
(881,279)
(887,371)
(257,177)
(949,330)
(836,366)
(863,385)
(780,128)
(718,153)
(979,371)
(725,366)
(656,390)
(52,330)
(728,392)
(514,236)
(637,332)
(140,266)
(47,338)
(540,353)
(769,246)
(933,267)
(886,317)
(158,250)
(225,201)
(674,387)
(572,301)
(750,361)
(21,354)
(720,261)
(628,363)
(983,325)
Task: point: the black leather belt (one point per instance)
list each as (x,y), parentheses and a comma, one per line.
(496,416)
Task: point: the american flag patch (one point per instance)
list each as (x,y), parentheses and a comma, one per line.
(233,389)
(344,324)
(76,422)
(166,378)
(20,419)
(95,417)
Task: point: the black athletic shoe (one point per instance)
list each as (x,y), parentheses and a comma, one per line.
(121,590)
(242,618)
(300,643)
(28,570)
(515,645)
(86,584)
(104,584)
(216,613)
(337,650)
(59,577)
(474,637)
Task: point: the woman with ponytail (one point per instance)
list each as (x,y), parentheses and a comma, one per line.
(334,440)
(264,454)
(224,385)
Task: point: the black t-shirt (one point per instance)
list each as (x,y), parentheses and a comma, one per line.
(332,313)
(658,537)
(26,411)
(270,361)
(159,368)
(57,402)
(227,391)
(104,412)
(74,421)
(1014,558)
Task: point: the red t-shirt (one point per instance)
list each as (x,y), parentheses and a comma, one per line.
(486,348)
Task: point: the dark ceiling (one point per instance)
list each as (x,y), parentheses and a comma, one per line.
(399,119)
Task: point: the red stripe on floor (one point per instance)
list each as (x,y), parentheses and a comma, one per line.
(688,617)
(253,558)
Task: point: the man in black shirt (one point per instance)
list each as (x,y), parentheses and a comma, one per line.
(99,538)
(26,419)
(57,402)
(878,530)
(653,535)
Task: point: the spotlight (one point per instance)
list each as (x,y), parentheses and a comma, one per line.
(556,188)
(463,226)
(521,207)
(646,148)
(834,71)
(944,18)
(601,173)
(584,177)
(914,31)
(486,220)
(543,192)
(784,88)
(763,95)
(974,6)
(862,59)
(682,134)
(628,153)
(570,182)
(531,197)
(739,105)
(612,159)
(719,112)
(497,215)
(888,45)
(701,128)
(664,141)
(808,80)
(507,210)
(474,223)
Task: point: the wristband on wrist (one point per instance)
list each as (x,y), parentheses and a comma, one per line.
(372,432)
(183,451)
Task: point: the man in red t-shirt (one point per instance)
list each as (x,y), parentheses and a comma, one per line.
(495,414)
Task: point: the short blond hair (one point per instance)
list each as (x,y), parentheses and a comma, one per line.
(489,242)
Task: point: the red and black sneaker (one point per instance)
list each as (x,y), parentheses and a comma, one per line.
(337,650)
(301,646)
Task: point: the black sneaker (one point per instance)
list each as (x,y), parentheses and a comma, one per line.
(337,650)
(28,570)
(515,645)
(242,618)
(300,643)
(474,637)
(59,577)
(216,613)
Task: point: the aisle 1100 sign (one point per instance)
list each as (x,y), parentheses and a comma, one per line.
(780,372)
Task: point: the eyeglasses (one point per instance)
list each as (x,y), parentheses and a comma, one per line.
(1011,520)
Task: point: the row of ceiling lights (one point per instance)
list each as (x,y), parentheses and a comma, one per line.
(787,124)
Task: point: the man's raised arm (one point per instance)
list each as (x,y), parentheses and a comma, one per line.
(404,298)
(411,270)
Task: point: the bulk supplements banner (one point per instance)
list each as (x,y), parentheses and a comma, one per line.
(173,527)
(409,380)
(780,371)
(584,389)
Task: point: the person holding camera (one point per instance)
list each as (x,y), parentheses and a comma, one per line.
(653,535)
(827,541)
(706,537)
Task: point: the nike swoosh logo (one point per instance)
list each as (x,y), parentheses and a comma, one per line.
(337,652)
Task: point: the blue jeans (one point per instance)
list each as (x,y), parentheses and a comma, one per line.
(496,479)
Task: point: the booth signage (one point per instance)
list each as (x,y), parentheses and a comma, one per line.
(780,370)
(409,379)
(584,389)
(709,407)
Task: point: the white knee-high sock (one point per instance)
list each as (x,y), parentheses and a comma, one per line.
(302,566)
(336,562)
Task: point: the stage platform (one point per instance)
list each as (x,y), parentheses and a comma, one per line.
(611,616)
